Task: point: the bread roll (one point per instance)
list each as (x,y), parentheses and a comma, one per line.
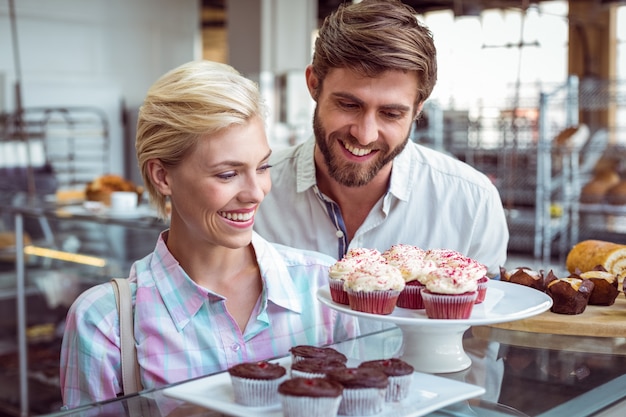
(586,255)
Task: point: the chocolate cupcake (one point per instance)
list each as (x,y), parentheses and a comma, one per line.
(255,384)
(400,375)
(315,367)
(310,397)
(364,390)
(306,351)
(569,295)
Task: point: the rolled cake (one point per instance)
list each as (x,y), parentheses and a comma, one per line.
(588,254)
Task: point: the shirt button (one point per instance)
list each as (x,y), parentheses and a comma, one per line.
(339,234)
(235,347)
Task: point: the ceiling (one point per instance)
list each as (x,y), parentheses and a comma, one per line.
(459,7)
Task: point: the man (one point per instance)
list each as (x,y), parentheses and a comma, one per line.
(360,182)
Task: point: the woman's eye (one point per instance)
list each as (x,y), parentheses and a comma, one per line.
(264,167)
(227,175)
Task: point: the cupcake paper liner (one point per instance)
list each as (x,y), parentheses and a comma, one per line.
(449,306)
(411,296)
(483,283)
(374,302)
(301,374)
(398,388)
(297,406)
(337,293)
(362,401)
(256,392)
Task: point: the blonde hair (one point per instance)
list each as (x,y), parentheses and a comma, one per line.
(193,100)
(371,37)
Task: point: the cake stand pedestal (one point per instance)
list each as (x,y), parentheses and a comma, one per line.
(434,349)
(436,345)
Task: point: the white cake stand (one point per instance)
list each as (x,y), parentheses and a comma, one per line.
(436,346)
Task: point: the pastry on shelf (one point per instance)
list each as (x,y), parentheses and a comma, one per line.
(100,188)
(616,195)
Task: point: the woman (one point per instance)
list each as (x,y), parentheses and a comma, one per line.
(213,293)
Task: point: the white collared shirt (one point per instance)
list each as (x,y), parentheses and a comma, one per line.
(433,201)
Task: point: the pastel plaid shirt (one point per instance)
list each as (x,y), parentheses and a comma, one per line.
(183,330)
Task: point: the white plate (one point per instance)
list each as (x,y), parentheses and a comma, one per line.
(504,302)
(428,393)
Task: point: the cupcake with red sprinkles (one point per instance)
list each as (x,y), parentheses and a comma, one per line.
(374,288)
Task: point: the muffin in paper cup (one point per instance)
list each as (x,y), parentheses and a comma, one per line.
(310,397)
(337,293)
(255,384)
(449,306)
(373,302)
(400,374)
(483,283)
(362,401)
(256,392)
(364,390)
(411,296)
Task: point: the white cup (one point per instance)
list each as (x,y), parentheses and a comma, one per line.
(124,201)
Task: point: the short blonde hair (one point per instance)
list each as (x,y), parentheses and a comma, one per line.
(195,99)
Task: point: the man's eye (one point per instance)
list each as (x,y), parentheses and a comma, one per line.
(348,106)
(392,115)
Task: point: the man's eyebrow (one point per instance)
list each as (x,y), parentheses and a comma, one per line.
(399,107)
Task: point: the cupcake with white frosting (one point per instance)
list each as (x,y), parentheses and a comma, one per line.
(374,288)
(450,293)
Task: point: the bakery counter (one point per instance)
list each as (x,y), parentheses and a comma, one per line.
(67,248)
(518,373)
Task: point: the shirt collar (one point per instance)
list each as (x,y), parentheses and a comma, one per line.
(183,297)
(305,165)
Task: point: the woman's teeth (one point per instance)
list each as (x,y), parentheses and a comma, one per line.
(237,217)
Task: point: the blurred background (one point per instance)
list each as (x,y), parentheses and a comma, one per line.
(533,93)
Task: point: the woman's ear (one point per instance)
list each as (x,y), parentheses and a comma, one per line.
(159,176)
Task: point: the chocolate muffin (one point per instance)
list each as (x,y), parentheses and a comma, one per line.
(256,383)
(524,276)
(310,397)
(315,367)
(306,351)
(605,286)
(400,375)
(364,390)
(569,295)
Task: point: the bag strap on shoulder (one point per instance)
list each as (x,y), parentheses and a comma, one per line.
(131,380)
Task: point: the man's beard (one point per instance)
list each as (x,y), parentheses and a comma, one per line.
(347,173)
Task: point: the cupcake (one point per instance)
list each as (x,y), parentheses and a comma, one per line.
(364,390)
(301,352)
(450,294)
(310,397)
(374,289)
(353,259)
(371,255)
(255,384)
(315,367)
(415,272)
(400,375)
(483,283)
